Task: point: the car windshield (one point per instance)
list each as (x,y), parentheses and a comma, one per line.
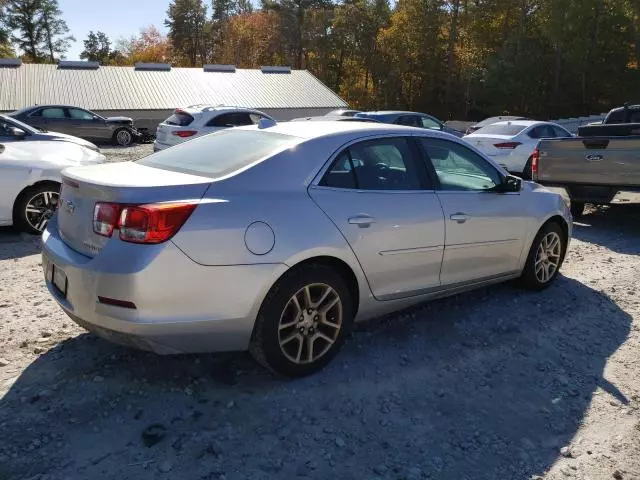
(507,129)
(220,154)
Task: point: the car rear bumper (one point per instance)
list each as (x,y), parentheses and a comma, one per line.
(181,306)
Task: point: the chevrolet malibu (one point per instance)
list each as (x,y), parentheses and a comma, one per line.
(276,238)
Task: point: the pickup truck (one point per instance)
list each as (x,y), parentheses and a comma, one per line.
(592,169)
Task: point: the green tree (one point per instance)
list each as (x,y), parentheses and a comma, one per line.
(187,21)
(97,48)
(6,50)
(54,29)
(23,18)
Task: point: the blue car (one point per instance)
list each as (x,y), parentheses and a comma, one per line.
(410,119)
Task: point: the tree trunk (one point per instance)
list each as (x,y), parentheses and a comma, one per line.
(453,37)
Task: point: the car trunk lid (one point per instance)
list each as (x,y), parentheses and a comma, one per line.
(487,143)
(125,183)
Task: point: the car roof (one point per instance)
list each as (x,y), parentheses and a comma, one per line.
(331,128)
(206,108)
(333,118)
(523,123)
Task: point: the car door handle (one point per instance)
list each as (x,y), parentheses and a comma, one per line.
(362,221)
(459,217)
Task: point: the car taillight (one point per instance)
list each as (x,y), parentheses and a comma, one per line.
(184,133)
(507,145)
(535,157)
(155,223)
(105,218)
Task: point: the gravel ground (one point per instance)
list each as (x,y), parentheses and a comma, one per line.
(495,384)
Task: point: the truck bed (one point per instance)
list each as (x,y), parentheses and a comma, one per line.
(592,169)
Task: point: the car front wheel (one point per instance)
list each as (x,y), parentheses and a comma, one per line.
(545,257)
(123,137)
(35,206)
(303,321)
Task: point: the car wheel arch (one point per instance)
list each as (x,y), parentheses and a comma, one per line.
(339,265)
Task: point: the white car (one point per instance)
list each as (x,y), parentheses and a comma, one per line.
(512,143)
(30,178)
(197,120)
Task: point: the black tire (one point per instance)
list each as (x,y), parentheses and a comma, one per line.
(526,172)
(123,137)
(27,222)
(265,342)
(529,278)
(577,209)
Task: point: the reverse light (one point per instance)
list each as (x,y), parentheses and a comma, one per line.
(535,157)
(507,145)
(154,223)
(184,133)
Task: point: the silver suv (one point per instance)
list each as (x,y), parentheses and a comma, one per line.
(197,120)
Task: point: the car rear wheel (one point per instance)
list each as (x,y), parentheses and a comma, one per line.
(545,257)
(35,206)
(123,137)
(303,322)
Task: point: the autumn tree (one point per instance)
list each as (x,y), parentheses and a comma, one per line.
(150,46)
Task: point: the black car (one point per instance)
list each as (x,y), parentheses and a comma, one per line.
(80,123)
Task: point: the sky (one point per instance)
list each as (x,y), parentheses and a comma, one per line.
(116,18)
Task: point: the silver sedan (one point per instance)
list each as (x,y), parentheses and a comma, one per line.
(276,238)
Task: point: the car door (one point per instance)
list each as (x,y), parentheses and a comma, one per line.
(377,192)
(484,229)
(56,120)
(85,124)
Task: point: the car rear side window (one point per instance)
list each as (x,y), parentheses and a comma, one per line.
(53,113)
(232,119)
(381,164)
(179,119)
(221,153)
(508,130)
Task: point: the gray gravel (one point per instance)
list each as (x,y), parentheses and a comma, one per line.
(495,384)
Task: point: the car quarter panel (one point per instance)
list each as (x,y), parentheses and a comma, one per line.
(222,302)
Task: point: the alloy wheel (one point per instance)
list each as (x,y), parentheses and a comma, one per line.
(310,323)
(123,137)
(40,209)
(548,256)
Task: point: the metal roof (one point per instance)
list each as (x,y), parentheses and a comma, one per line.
(125,88)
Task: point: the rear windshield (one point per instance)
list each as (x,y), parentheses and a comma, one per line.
(220,154)
(181,119)
(506,129)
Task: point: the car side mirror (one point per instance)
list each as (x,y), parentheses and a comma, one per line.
(17,133)
(511,184)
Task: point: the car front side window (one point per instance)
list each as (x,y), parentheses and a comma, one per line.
(78,114)
(458,168)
